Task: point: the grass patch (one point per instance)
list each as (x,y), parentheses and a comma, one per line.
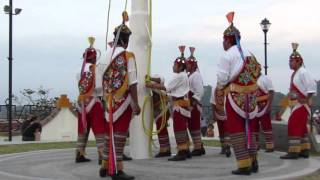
(212,143)
(17,148)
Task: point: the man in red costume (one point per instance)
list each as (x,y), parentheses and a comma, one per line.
(237,75)
(161,116)
(218,111)
(90,109)
(302,88)
(178,89)
(120,93)
(195,96)
(264,99)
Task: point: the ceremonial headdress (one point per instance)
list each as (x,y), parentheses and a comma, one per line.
(191,59)
(124,29)
(181,60)
(295,54)
(231,31)
(90,54)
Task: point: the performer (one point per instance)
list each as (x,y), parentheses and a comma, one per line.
(90,108)
(195,96)
(237,75)
(120,91)
(302,88)
(161,116)
(264,99)
(178,89)
(218,111)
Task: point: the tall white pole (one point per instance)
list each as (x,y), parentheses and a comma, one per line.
(139,45)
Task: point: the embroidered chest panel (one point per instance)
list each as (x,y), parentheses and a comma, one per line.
(115,76)
(247,99)
(115,80)
(86,83)
(249,73)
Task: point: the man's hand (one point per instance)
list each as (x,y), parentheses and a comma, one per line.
(303,100)
(148,84)
(136,109)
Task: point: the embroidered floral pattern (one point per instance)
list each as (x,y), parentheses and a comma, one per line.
(247,101)
(86,82)
(250,71)
(115,75)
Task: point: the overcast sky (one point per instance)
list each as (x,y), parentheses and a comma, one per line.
(49,37)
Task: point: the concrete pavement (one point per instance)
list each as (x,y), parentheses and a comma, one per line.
(59,165)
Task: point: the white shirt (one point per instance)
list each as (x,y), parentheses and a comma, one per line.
(178,86)
(304,82)
(196,85)
(264,83)
(230,65)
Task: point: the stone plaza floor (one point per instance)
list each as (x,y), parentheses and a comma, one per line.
(59,165)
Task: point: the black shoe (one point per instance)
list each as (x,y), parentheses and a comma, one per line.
(290,156)
(203,151)
(188,154)
(163,154)
(304,154)
(80,158)
(122,176)
(269,150)
(126,158)
(180,156)
(196,152)
(228,151)
(223,150)
(242,171)
(255,166)
(103,172)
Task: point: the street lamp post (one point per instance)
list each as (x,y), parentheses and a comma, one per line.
(9,10)
(265,25)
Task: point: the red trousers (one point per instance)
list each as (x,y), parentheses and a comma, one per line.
(95,120)
(297,130)
(163,135)
(265,123)
(236,129)
(194,127)
(180,130)
(223,134)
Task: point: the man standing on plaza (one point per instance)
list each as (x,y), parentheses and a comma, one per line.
(302,88)
(120,92)
(195,96)
(237,76)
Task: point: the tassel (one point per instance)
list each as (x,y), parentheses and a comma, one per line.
(230,17)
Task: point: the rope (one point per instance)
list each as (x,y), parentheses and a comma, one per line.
(125,6)
(108,20)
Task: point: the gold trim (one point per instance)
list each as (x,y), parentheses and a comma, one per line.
(294,149)
(305,146)
(181,103)
(244,163)
(164,149)
(183,146)
(262,98)
(240,89)
(269,146)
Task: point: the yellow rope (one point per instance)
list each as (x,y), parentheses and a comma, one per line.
(148,98)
